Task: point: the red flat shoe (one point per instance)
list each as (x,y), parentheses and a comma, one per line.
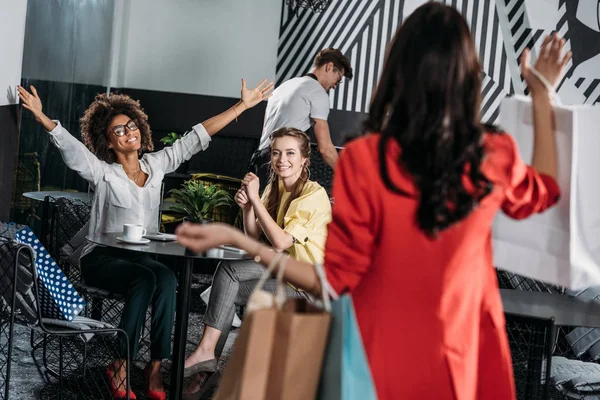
(117,393)
(153,394)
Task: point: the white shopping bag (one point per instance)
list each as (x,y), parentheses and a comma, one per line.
(562,245)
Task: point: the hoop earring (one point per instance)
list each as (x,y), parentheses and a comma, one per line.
(307,170)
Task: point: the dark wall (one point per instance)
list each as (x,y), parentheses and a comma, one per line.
(228,153)
(9,141)
(65,102)
(230,149)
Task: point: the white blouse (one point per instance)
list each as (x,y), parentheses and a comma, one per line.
(117,199)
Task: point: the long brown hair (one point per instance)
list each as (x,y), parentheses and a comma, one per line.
(272,201)
(428,100)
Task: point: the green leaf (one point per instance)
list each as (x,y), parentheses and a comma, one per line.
(197,201)
(170,138)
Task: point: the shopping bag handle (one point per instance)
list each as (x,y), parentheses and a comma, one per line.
(551,90)
(267,273)
(280,296)
(327,291)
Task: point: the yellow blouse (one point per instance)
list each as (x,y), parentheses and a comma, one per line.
(306,220)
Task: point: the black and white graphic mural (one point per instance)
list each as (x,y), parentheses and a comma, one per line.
(501,28)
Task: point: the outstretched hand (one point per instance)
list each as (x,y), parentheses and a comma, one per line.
(199,238)
(31,101)
(251,97)
(550,64)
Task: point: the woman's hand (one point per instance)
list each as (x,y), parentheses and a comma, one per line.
(251,97)
(251,185)
(31,101)
(199,238)
(241,199)
(550,64)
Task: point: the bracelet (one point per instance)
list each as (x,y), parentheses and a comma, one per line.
(236,114)
(257,258)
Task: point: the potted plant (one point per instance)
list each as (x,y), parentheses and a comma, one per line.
(171,138)
(197,202)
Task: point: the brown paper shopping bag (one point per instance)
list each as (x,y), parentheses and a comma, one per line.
(298,349)
(280,348)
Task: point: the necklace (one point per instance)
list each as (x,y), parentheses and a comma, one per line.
(135,174)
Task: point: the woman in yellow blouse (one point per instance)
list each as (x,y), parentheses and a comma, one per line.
(292,215)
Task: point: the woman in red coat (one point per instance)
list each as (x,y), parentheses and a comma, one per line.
(415,198)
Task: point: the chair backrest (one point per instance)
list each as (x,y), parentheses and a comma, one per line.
(27,179)
(509,280)
(17,292)
(67,218)
(320,172)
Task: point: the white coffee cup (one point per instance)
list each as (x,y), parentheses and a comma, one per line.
(133,232)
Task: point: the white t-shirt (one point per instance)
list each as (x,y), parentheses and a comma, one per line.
(292,105)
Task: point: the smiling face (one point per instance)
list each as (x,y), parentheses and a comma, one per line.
(131,139)
(286,158)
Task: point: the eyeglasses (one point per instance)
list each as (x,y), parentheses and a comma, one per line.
(120,130)
(341,76)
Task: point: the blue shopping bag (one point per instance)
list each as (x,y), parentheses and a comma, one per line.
(345,374)
(59,299)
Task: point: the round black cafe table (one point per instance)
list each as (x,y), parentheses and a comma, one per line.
(185,261)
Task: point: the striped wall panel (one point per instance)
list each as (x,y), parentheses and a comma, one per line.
(362,29)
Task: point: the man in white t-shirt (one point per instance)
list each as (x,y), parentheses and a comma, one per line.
(303,103)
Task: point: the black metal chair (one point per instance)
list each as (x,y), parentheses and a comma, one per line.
(80,355)
(533,339)
(320,172)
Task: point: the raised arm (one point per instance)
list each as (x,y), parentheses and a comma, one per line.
(74,153)
(541,81)
(170,158)
(534,189)
(32,102)
(249,98)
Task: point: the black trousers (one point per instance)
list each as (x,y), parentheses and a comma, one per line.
(143,281)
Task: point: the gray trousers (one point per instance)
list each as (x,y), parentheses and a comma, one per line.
(232,284)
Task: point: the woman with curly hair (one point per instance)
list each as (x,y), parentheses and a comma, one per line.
(414,204)
(118,162)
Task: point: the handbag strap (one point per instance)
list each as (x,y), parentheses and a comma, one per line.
(280,296)
(327,291)
(551,90)
(267,272)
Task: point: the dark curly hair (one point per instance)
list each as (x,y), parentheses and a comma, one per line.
(97,117)
(428,100)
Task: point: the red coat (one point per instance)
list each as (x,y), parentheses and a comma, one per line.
(429,311)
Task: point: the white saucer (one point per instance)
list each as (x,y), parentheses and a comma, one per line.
(130,241)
